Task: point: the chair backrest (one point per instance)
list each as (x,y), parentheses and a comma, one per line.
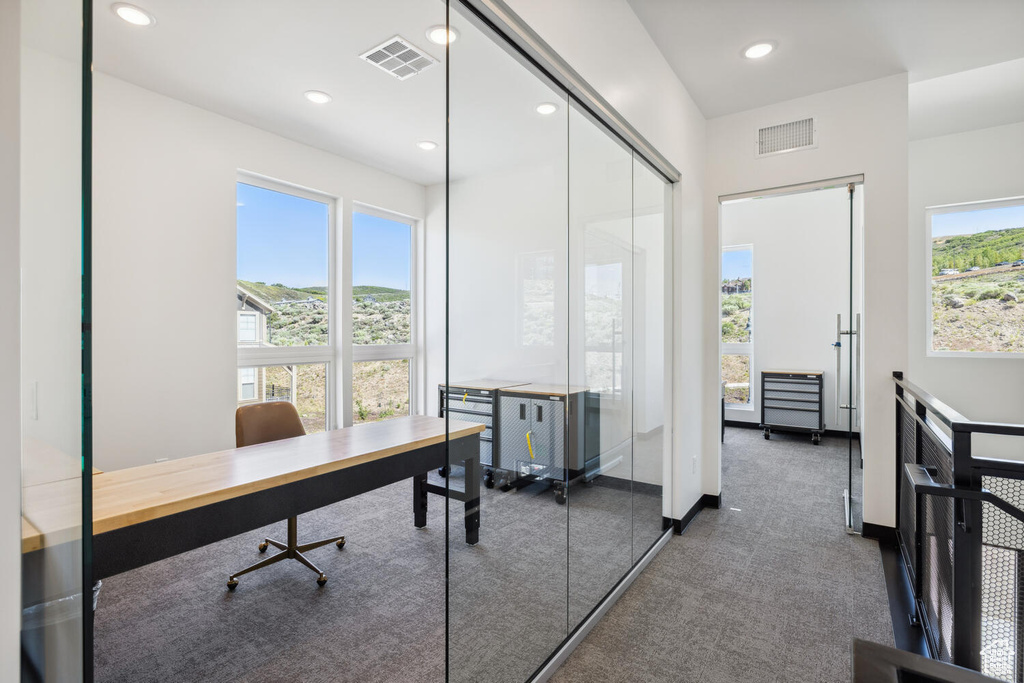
(262,422)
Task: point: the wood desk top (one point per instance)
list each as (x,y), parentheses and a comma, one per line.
(547,389)
(484,384)
(138,494)
(812,373)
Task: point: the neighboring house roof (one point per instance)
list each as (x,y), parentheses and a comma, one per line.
(247,297)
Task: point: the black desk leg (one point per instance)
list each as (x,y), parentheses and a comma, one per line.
(472,466)
(419,500)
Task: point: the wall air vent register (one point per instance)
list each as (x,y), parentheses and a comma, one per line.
(786,137)
(399,58)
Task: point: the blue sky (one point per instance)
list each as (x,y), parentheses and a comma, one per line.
(737,264)
(970,222)
(283,238)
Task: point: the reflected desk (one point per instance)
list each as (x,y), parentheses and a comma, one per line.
(152,512)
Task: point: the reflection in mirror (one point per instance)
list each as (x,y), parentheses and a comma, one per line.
(652,303)
(601,362)
(507,336)
(53,599)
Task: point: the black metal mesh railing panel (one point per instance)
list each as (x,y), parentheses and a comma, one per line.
(908,507)
(1002,564)
(937,550)
(937,573)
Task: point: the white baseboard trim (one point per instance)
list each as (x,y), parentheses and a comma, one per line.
(562,654)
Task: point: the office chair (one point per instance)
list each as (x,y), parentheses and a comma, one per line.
(260,423)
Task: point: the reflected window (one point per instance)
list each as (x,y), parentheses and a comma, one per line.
(603,289)
(537,299)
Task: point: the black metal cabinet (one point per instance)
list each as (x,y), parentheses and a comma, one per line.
(792,401)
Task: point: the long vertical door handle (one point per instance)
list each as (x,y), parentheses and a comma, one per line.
(522,411)
(839,362)
(855,411)
(540,413)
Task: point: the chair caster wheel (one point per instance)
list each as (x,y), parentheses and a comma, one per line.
(443,471)
(489,481)
(340,544)
(321,581)
(263,547)
(560,497)
(232,584)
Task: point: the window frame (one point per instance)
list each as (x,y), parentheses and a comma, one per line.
(738,348)
(929,213)
(411,351)
(267,356)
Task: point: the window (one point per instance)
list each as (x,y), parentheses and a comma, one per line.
(383,319)
(284,276)
(246,384)
(604,310)
(977,277)
(737,297)
(305,386)
(247,328)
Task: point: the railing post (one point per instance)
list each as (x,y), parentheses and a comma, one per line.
(966,558)
(919,523)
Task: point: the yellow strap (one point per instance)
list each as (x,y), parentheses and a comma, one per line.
(529,444)
(464,396)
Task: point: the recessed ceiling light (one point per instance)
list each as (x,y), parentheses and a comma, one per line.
(442,35)
(546,108)
(318,97)
(759,50)
(132,14)
(427,145)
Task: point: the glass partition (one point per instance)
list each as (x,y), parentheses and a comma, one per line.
(53,624)
(652,365)
(601,353)
(507,292)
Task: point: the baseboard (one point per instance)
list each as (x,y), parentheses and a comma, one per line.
(882,534)
(710,501)
(757,425)
(705,501)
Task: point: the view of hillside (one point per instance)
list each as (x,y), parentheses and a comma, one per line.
(380,315)
(978,310)
(736,317)
(983,249)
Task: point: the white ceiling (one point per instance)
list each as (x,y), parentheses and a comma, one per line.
(252,62)
(969,100)
(824,44)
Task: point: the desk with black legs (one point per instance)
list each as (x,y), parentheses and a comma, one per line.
(152,512)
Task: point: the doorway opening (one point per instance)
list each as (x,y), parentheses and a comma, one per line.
(790,302)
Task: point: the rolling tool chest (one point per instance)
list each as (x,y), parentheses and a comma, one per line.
(791,401)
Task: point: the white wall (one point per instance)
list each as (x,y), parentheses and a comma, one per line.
(165,263)
(605,42)
(10,408)
(801,247)
(966,167)
(861,129)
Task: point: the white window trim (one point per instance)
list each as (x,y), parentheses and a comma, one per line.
(412,351)
(266,356)
(929,212)
(738,348)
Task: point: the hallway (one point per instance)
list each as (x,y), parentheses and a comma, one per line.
(768,589)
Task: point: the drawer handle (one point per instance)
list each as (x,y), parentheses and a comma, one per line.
(522,411)
(540,414)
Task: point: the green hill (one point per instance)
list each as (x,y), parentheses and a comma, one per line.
(983,249)
(372,292)
(278,292)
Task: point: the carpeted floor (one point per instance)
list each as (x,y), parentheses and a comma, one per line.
(381,616)
(768,589)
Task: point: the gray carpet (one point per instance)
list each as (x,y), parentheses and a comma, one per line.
(381,616)
(772,591)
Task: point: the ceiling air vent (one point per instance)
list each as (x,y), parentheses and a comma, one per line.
(399,58)
(787,137)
